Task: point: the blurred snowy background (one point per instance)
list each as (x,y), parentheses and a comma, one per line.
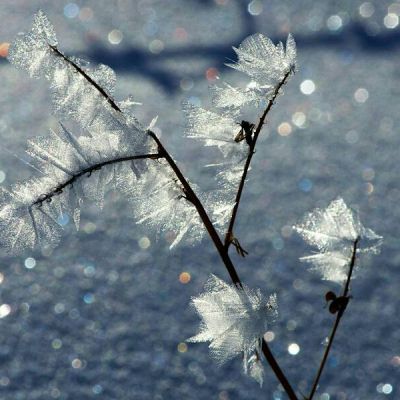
(106,314)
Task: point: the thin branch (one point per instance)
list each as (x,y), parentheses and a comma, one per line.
(229,236)
(89,170)
(192,197)
(337,321)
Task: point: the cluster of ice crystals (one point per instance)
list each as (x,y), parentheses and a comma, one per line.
(234,321)
(82,167)
(333,231)
(214,130)
(266,65)
(230,97)
(32,51)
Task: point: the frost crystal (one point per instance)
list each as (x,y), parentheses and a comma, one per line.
(227,96)
(214,130)
(78,91)
(333,231)
(158,201)
(29,215)
(234,321)
(266,63)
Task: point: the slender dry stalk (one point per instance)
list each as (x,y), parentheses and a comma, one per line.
(339,316)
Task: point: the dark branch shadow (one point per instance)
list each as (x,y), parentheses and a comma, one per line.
(142,62)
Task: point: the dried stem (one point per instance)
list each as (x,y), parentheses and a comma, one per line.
(337,321)
(192,197)
(229,236)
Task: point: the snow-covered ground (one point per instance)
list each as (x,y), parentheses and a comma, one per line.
(105,315)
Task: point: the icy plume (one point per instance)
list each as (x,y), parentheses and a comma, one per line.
(267,66)
(333,231)
(234,321)
(266,63)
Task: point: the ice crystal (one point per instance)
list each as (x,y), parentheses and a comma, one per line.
(255,369)
(333,231)
(34,207)
(266,63)
(78,91)
(230,97)
(214,130)
(234,321)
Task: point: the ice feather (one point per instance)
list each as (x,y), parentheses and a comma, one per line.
(333,231)
(233,321)
(266,63)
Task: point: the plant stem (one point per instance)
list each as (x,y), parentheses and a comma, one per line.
(229,234)
(277,370)
(192,197)
(337,321)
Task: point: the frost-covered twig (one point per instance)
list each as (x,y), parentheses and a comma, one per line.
(188,192)
(47,197)
(192,197)
(86,76)
(229,236)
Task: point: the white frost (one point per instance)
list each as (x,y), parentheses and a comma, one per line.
(266,63)
(333,231)
(234,321)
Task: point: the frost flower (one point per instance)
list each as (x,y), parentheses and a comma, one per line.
(333,231)
(234,321)
(266,63)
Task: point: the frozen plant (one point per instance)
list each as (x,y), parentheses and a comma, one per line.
(114,150)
